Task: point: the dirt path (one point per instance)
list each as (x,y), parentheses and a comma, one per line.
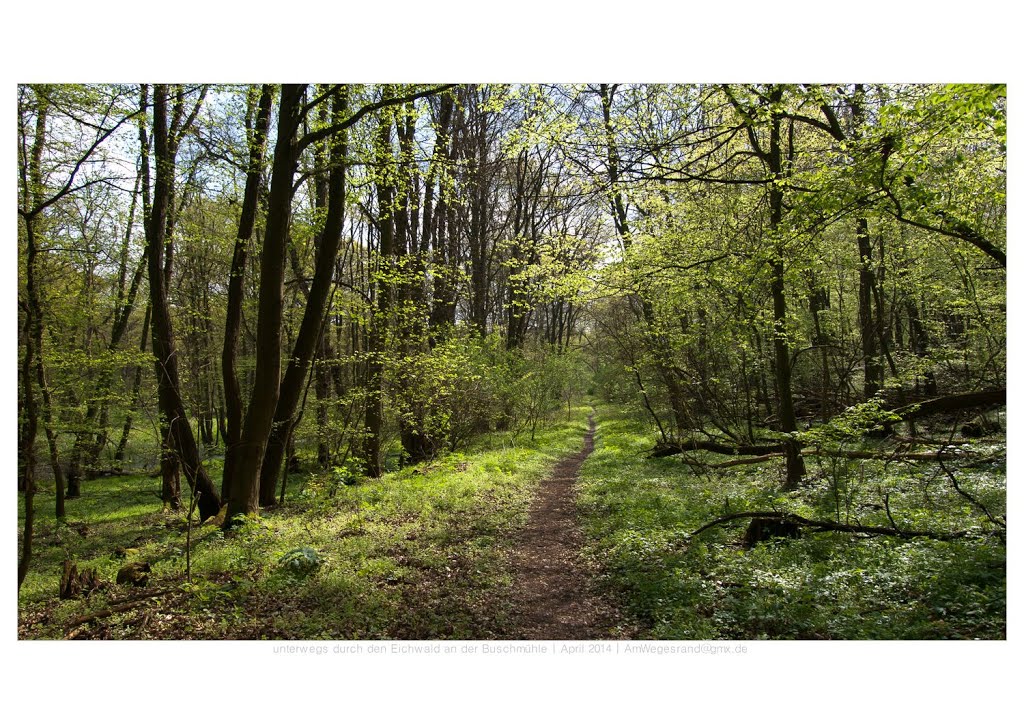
(555,597)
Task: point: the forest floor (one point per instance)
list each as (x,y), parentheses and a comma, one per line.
(555,594)
(523,537)
(638,515)
(481,544)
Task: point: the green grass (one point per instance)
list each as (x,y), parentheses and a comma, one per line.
(424,552)
(419,553)
(638,514)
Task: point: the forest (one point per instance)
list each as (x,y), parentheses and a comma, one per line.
(511,361)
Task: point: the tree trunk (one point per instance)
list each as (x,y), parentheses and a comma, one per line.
(27,454)
(172,408)
(322,389)
(34,325)
(313,317)
(33,347)
(795,470)
(259,417)
(136,386)
(417,442)
(869,329)
(819,302)
(376,338)
(868,326)
(233,319)
(919,344)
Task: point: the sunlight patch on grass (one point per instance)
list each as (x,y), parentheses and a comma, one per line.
(419,553)
(638,513)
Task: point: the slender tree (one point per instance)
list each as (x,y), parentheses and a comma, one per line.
(180,439)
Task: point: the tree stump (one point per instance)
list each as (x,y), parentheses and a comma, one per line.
(136,574)
(762,529)
(74,583)
(988,423)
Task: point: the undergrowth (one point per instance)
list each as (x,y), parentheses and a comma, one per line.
(421,553)
(639,514)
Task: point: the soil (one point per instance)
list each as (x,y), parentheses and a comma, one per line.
(556,596)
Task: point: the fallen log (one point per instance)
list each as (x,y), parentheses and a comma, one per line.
(914,441)
(934,406)
(827,525)
(851,454)
(881,455)
(665,450)
(951,403)
(746,461)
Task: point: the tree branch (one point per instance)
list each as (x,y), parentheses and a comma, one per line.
(311,138)
(827,525)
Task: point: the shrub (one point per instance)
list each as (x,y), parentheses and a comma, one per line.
(301,562)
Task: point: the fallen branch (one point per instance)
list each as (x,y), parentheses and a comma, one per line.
(873,455)
(737,461)
(951,403)
(826,525)
(120,607)
(665,450)
(926,408)
(913,441)
(747,461)
(970,498)
(852,454)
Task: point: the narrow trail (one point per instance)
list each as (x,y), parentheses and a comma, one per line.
(555,596)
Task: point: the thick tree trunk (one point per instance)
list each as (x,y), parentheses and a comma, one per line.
(259,417)
(313,317)
(27,453)
(27,461)
(34,333)
(233,320)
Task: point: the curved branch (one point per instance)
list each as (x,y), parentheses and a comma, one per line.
(311,138)
(826,525)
